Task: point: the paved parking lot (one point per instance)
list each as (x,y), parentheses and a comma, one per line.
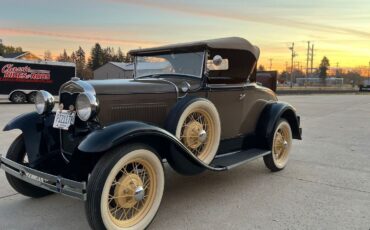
(325,186)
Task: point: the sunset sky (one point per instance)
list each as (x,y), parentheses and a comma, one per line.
(340,29)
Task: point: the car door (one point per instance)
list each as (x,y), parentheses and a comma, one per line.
(229,101)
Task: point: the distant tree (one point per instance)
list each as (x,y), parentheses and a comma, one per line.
(2,49)
(283,77)
(324,66)
(96,57)
(108,55)
(128,58)
(48,56)
(80,61)
(261,68)
(64,57)
(352,77)
(73,57)
(9,49)
(120,56)
(323,69)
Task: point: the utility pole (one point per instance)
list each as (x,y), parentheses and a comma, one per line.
(291,68)
(337,71)
(312,54)
(270,63)
(308,57)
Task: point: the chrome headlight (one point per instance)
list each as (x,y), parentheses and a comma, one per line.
(86,106)
(44,102)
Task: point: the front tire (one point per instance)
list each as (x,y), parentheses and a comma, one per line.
(125,189)
(280,143)
(17,153)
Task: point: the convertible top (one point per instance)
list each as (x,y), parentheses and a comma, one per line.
(231,43)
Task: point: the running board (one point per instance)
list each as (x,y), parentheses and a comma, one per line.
(233,159)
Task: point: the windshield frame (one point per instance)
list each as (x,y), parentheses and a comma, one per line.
(204,53)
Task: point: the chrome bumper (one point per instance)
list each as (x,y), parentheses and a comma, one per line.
(43,180)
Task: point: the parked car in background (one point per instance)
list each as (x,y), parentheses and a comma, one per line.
(107,140)
(21,79)
(365,86)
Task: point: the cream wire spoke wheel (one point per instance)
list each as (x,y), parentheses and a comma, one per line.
(280,146)
(199,129)
(131,190)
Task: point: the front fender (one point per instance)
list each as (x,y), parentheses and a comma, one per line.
(272,113)
(33,126)
(178,156)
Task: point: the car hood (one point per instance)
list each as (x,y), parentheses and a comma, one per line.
(132,86)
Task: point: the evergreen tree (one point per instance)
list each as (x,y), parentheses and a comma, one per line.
(120,56)
(128,58)
(324,66)
(96,57)
(64,57)
(73,57)
(9,49)
(80,61)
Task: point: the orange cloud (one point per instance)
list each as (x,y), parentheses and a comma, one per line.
(265,19)
(23,32)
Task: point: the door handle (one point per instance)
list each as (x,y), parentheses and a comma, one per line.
(241,96)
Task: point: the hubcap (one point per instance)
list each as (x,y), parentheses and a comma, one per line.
(197,132)
(139,193)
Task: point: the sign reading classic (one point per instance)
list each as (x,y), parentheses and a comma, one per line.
(24,74)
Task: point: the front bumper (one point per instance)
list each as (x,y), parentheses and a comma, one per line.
(43,180)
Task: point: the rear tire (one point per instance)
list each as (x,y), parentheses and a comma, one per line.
(18,97)
(17,153)
(125,189)
(280,143)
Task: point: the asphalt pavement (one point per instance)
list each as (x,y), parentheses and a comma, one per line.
(326,184)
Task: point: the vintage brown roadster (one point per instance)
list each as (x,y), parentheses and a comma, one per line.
(192,105)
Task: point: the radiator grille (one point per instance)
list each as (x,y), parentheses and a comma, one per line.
(144,112)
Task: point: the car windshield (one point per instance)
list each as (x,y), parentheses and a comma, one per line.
(187,64)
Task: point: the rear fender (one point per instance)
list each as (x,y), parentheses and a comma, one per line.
(168,146)
(270,116)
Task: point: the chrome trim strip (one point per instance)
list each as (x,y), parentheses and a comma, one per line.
(226,86)
(43,180)
(77,86)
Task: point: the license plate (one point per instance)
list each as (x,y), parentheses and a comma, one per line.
(64,119)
